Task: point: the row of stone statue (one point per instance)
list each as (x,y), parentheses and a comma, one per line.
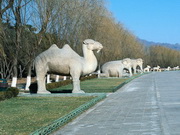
(66,61)
(159,69)
(120,67)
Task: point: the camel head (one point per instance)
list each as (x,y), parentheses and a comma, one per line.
(92,45)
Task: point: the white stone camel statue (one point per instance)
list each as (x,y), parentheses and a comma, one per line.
(66,61)
(115,68)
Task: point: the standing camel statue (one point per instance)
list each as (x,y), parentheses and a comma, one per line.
(66,61)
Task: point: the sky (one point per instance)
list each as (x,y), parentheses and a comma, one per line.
(151,20)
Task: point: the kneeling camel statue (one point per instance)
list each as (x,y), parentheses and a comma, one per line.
(66,61)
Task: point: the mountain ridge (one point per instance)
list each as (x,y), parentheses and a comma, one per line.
(168,45)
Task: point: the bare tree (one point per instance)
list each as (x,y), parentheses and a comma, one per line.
(18,24)
(4,6)
(43,14)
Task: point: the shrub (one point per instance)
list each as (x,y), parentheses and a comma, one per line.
(58,84)
(9,93)
(49,86)
(66,82)
(2,95)
(14,90)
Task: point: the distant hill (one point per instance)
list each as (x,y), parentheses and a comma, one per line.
(150,43)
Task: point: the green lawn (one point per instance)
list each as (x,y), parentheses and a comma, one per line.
(23,115)
(103,85)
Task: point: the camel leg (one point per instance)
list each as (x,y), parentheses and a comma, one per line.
(41,82)
(76,84)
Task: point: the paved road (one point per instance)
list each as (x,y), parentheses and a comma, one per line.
(148,105)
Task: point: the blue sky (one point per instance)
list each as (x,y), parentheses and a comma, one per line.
(152,20)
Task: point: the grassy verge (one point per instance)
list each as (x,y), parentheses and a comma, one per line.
(23,115)
(101,85)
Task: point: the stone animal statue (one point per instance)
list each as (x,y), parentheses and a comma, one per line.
(147,68)
(176,68)
(158,68)
(168,68)
(66,61)
(135,63)
(115,68)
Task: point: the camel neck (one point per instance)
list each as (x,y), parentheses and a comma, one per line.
(90,61)
(88,54)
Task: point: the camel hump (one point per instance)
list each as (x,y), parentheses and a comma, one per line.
(68,50)
(66,46)
(53,46)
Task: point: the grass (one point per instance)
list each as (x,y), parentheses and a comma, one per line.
(101,85)
(23,115)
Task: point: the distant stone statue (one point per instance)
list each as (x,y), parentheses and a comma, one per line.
(115,68)
(158,68)
(66,61)
(147,68)
(135,63)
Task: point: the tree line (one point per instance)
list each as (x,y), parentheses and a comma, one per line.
(28,27)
